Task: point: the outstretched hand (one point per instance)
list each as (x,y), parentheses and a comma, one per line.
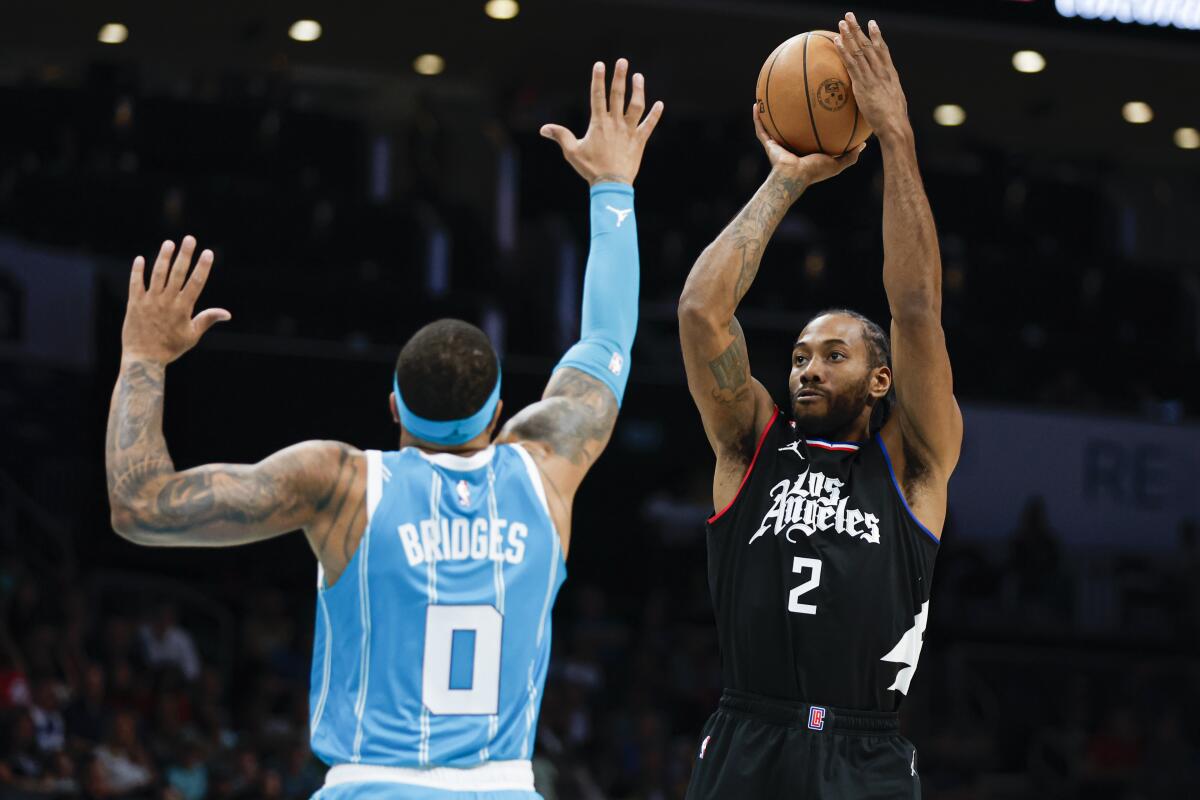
(811,168)
(611,148)
(159,325)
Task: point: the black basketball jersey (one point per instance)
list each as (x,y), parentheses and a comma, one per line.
(820,575)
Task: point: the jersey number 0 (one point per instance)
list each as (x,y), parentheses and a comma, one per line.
(461,673)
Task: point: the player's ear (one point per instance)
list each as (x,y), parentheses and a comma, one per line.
(881,381)
(392,406)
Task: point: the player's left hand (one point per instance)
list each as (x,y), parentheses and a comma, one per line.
(876,84)
(159,325)
(611,148)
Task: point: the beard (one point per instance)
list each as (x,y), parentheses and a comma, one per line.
(840,412)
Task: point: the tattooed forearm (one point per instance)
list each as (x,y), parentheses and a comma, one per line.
(723,274)
(575,418)
(135,452)
(753,226)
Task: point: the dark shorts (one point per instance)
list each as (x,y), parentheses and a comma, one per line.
(766,749)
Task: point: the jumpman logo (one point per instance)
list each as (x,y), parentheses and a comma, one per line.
(913,765)
(621,213)
(794,447)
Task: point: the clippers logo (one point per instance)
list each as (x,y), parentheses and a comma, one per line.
(463,490)
(816,718)
(704,746)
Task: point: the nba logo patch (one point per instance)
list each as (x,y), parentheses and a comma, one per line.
(463,490)
(704,746)
(616,364)
(816,718)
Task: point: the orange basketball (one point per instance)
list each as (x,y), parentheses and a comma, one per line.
(805,99)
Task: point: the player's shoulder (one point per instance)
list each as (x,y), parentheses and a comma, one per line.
(317,466)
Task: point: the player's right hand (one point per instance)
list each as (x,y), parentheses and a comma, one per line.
(811,168)
(611,148)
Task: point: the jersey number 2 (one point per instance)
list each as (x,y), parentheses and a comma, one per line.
(798,565)
(461,673)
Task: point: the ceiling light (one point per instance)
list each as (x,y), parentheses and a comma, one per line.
(1028,61)
(501,9)
(1187,139)
(1137,112)
(305,30)
(429,64)
(113,33)
(949,115)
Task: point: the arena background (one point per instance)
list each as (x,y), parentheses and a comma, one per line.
(350,199)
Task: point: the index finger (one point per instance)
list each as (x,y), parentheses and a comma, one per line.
(759,130)
(599,107)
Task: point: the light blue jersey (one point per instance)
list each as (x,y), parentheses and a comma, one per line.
(431,648)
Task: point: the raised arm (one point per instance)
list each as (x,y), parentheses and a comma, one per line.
(925,433)
(570,427)
(315,486)
(734,406)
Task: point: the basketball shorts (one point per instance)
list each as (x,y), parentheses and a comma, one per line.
(767,749)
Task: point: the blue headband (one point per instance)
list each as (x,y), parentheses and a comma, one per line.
(449,431)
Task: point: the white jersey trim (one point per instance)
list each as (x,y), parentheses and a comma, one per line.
(494,776)
(326,664)
(535,477)
(374,482)
(460,463)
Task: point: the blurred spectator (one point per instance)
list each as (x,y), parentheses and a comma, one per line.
(51,730)
(23,765)
(166,644)
(87,715)
(189,777)
(1035,568)
(125,763)
(14,686)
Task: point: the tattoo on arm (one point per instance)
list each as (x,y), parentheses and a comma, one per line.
(753,226)
(575,417)
(731,369)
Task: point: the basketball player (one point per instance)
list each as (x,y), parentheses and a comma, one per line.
(438,562)
(828,513)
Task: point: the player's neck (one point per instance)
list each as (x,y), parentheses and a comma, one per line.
(858,431)
(480,442)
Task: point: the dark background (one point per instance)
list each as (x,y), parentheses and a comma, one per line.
(350,200)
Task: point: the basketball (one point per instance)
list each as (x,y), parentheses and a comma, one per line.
(805,99)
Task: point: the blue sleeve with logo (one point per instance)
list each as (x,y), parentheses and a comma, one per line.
(610,290)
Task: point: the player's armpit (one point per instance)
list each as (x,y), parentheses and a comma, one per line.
(218,505)
(927,421)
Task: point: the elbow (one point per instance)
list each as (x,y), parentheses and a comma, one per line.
(124,521)
(697,316)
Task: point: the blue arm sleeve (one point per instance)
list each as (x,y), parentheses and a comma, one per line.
(610,290)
